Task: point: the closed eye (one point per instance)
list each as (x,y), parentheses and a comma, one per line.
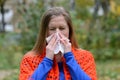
(52,28)
(62,28)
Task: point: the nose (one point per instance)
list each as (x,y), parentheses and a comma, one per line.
(57,30)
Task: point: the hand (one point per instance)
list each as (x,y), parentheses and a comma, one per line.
(65,42)
(51,46)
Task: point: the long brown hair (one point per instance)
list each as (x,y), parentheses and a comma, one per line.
(55,11)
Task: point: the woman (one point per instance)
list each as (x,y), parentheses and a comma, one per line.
(43,64)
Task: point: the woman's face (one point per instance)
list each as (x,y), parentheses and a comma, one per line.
(58,24)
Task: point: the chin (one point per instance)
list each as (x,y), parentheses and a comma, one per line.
(58,57)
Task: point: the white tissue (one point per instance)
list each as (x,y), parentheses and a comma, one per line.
(59,46)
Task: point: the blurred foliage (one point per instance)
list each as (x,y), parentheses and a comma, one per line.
(30,26)
(84,3)
(9,51)
(115,6)
(110,70)
(13,76)
(101,36)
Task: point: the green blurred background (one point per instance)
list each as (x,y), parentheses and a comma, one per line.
(96,24)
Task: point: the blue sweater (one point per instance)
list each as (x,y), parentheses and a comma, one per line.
(76,71)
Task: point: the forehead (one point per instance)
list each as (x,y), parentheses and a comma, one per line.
(57,20)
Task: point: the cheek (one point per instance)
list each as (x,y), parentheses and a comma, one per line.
(66,33)
(50,33)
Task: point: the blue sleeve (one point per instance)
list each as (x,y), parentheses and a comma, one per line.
(75,70)
(41,72)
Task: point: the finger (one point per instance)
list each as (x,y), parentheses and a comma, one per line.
(52,40)
(64,42)
(63,37)
(54,44)
(49,38)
